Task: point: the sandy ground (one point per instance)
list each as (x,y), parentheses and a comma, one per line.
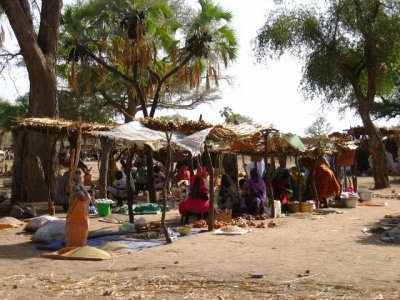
(322,258)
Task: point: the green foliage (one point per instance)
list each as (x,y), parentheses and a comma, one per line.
(174,117)
(319,128)
(146,64)
(72,107)
(332,43)
(234,118)
(9,111)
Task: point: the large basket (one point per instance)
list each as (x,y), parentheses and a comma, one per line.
(223,216)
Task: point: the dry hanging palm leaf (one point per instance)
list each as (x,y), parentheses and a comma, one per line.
(87,83)
(181,74)
(73,83)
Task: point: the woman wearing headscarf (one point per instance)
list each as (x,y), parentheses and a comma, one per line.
(285,188)
(198,200)
(183,173)
(324,179)
(254,193)
(77,223)
(228,196)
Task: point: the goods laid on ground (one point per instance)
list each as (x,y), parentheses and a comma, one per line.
(147,235)
(35,223)
(10,222)
(246,221)
(79,253)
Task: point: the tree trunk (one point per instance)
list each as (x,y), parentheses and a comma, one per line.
(17,192)
(37,166)
(377,150)
(106,145)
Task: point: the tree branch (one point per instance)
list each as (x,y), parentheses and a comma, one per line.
(109,100)
(161,82)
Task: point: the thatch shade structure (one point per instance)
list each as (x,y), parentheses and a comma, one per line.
(58,126)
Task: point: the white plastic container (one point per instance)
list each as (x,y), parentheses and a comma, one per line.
(278,209)
(365,196)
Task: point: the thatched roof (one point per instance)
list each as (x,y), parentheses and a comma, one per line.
(58,126)
(241,139)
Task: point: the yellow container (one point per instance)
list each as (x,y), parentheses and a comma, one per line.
(184,230)
(306,207)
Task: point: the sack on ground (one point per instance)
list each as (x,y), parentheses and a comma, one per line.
(34,224)
(23,211)
(50,232)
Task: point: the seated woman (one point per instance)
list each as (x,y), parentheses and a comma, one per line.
(119,190)
(228,196)
(284,187)
(183,174)
(159,177)
(254,194)
(197,201)
(325,181)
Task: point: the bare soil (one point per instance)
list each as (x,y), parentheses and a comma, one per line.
(325,257)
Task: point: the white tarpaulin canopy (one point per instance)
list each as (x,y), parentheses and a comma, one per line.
(193,143)
(134,132)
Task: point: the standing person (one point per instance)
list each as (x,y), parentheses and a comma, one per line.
(325,181)
(77,223)
(254,193)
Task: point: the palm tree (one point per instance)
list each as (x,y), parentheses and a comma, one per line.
(145,52)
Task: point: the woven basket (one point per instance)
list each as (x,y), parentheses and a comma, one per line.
(223,216)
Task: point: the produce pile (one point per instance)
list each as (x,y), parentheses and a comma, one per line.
(245,221)
(147,235)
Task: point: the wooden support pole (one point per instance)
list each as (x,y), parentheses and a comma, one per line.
(313,180)
(128,168)
(210,171)
(354,171)
(164,201)
(73,164)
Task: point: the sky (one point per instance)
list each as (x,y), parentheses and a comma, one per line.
(268,93)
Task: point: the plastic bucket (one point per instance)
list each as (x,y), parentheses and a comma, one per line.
(365,196)
(103,209)
(306,207)
(293,207)
(350,203)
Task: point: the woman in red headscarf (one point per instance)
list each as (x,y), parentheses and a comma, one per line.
(183,173)
(198,200)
